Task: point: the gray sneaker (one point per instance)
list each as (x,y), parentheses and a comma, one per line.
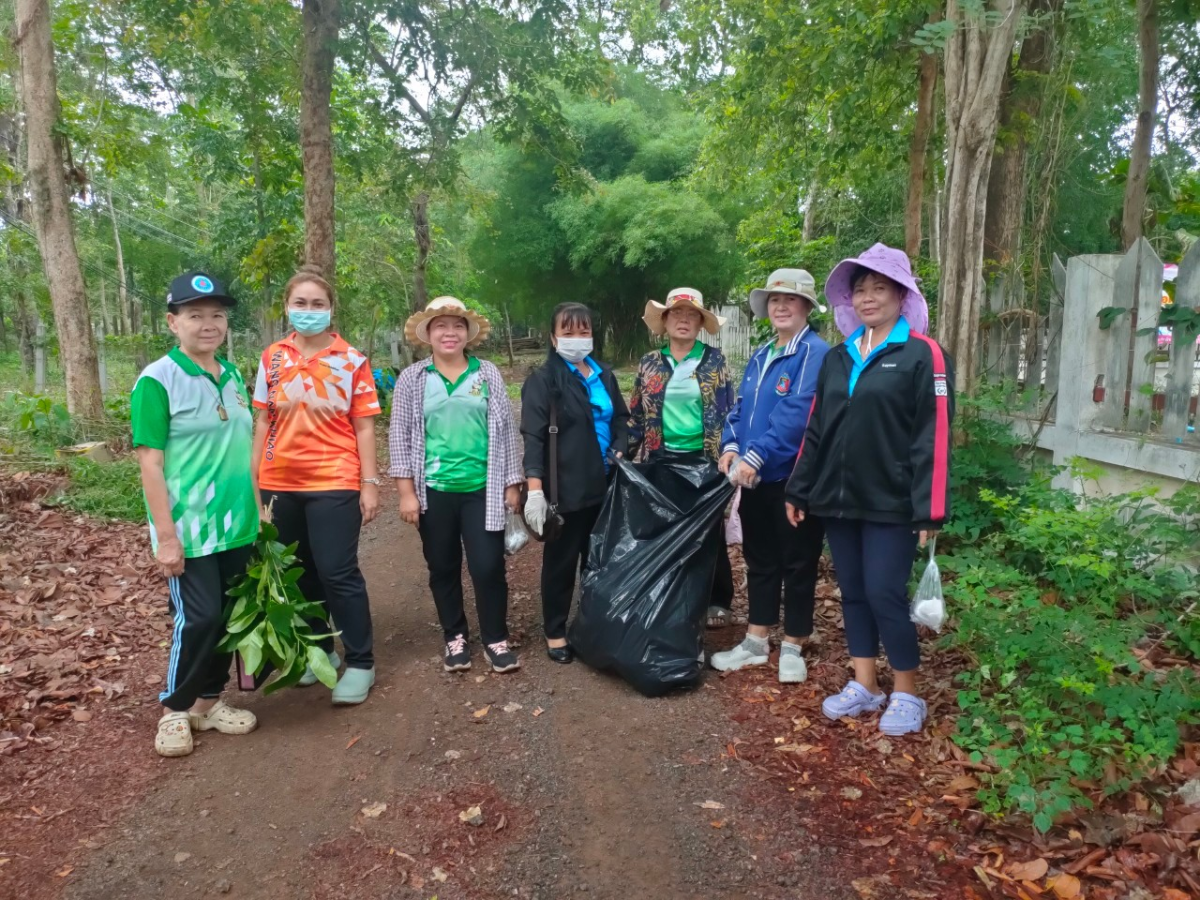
(749,652)
(792,669)
(310,677)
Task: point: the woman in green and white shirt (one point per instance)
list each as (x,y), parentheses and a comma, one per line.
(457,464)
(192,433)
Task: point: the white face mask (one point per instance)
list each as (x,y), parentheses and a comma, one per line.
(574,349)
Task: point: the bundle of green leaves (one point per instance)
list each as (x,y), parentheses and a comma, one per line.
(268,624)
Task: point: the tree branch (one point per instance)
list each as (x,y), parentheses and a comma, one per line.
(462,102)
(394,77)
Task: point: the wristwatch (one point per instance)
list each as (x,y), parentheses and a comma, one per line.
(375,481)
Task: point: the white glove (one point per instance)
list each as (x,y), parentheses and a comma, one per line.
(535,511)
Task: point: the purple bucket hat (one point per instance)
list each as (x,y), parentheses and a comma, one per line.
(886,261)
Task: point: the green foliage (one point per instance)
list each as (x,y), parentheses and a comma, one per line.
(105,491)
(626,226)
(38,419)
(268,621)
(1059,600)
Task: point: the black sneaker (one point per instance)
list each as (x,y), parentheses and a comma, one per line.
(458,657)
(502,659)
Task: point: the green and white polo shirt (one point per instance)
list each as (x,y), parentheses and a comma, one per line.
(683,407)
(176,408)
(456,430)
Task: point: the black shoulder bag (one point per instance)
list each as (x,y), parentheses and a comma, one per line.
(552,530)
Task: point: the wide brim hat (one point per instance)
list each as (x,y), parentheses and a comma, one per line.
(680,298)
(798,282)
(886,261)
(416,329)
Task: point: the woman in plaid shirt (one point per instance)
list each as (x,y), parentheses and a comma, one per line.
(457,464)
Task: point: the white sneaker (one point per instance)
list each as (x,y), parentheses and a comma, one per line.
(310,677)
(792,669)
(744,654)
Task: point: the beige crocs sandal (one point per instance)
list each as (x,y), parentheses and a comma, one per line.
(174,736)
(225,719)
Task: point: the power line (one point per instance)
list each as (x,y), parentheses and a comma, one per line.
(130,200)
(147,230)
(26,230)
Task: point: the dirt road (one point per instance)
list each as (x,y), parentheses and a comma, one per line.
(585,787)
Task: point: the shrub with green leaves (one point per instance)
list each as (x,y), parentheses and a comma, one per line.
(268,624)
(37,419)
(1059,601)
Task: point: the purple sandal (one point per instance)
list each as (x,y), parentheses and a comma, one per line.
(854,700)
(905,715)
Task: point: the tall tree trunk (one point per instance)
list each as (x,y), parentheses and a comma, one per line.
(918,152)
(935,213)
(977,56)
(103,304)
(123,306)
(1134,213)
(266,323)
(809,228)
(16,210)
(52,212)
(321,20)
(420,214)
(1020,112)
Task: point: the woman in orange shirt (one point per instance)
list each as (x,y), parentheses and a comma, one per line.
(314,458)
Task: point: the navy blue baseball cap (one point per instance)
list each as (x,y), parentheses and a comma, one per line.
(197,286)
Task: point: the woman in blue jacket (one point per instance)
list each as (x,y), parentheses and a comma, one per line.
(765,428)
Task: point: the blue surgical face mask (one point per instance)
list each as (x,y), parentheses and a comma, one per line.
(309,322)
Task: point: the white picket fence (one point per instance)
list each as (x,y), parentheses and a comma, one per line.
(735,341)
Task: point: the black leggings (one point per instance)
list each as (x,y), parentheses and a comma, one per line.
(326,525)
(779,556)
(874,562)
(450,522)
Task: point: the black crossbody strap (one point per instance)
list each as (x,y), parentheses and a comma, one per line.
(553,453)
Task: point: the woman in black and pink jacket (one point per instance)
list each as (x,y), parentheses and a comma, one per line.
(875,466)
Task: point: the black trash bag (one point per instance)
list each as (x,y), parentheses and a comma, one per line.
(650,568)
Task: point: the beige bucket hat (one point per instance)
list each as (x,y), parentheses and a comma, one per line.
(416,329)
(785,281)
(680,298)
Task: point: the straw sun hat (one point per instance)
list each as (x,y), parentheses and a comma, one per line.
(416,329)
(680,298)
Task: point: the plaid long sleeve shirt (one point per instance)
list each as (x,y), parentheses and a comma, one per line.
(406,438)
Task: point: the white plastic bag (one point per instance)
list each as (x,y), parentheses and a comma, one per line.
(737,480)
(928,606)
(516,535)
(733,524)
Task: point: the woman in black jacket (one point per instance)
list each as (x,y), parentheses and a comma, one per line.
(877,471)
(593,421)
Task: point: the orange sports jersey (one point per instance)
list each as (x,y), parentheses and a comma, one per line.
(309,403)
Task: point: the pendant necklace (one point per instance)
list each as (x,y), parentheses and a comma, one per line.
(222,413)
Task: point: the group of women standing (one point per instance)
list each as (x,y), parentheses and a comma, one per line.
(871,474)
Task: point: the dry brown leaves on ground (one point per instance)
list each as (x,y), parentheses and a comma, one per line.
(79,599)
(904,810)
(426,842)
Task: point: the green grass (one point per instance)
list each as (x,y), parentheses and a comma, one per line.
(104,491)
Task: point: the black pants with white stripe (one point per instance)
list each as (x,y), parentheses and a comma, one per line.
(195,669)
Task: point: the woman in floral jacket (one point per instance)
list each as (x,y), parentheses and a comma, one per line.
(683,392)
(681,398)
